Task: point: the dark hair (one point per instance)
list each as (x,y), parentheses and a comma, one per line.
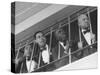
(37,33)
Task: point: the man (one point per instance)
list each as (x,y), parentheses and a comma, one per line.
(41,54)
(61,48)
(25,64)
(86,36)
(62,45)
(44,54)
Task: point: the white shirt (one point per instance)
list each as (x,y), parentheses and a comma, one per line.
(87,36)
(45,55)
(65,47)
(33,65)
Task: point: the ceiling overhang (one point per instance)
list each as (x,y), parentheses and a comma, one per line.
(42,20)
(31,21)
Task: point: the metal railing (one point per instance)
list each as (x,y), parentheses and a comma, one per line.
(67,57)
(50,41)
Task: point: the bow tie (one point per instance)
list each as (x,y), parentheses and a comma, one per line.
(64,43)
(86,30)
(44,48)
(28,58)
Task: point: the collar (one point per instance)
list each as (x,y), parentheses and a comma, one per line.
(83,30)
(61,43)
(46,46)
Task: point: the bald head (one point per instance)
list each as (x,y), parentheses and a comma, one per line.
(83,21)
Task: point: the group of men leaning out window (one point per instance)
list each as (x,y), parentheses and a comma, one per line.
(43,53)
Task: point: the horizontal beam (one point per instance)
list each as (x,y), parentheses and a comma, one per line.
(38,17)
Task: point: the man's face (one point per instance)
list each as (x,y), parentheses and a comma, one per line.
(61,35)
(40,39)
(27,51)
(83,21)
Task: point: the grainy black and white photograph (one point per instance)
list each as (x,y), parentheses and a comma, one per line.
(48,37)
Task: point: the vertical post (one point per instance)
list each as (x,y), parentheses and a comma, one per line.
(40,54)
(80,35)
(50,43)
(88,13)
(23,55)
(69,40)
(80,40)
(59,47)
(18,52)
(16,58)
(58,51)
(31,57)
(21,68)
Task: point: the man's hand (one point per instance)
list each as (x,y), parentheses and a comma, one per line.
(80,44)
(16,61)
(93,38)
